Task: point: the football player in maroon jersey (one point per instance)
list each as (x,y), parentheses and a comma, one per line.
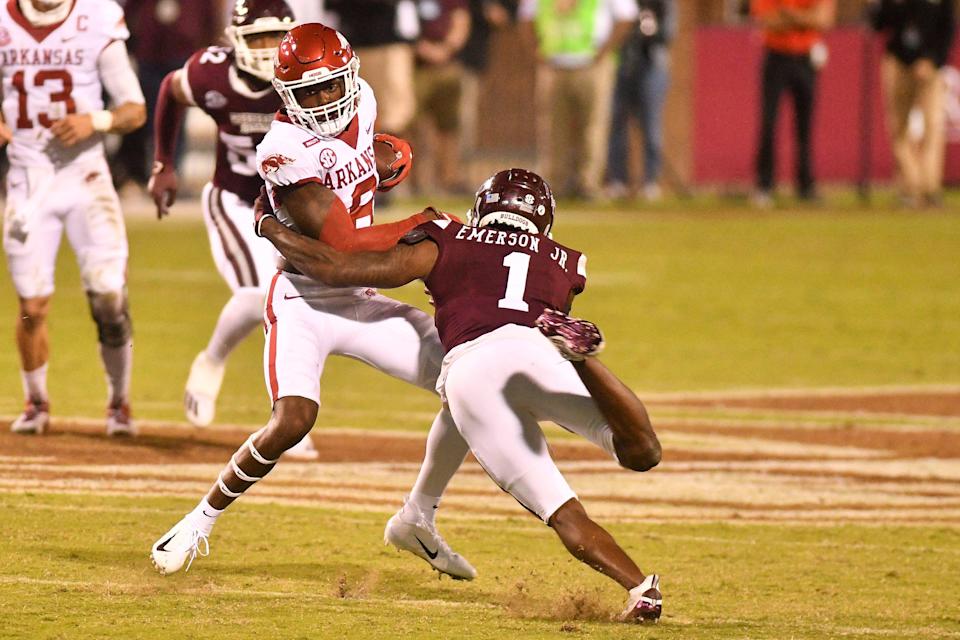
(502,287)
(232,86)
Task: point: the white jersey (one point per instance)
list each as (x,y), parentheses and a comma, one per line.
(50,72)
(290,155)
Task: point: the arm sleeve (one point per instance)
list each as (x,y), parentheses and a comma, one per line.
(281,161)
(341,234)
(578,279)
(168,116)
(117,75)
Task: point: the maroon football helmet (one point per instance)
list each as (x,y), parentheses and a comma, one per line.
(515,198)
(312,54)
(253,18)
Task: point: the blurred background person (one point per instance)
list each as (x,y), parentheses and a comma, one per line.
(643,77)
(918,34)
(444,28)
(382,33)
(163,35)
(573,41)
(794,52)
(486,17)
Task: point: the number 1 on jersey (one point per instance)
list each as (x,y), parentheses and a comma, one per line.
(518,264)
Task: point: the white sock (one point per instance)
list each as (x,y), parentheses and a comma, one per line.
(118,365)
(426,505)
(242,314)
(35,384)
(204,516)
(444,454)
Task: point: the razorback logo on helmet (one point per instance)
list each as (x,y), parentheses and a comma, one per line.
(273,163)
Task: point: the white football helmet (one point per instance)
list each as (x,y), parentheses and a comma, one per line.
(253,18)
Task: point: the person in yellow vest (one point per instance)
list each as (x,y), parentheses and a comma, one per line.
(574,41)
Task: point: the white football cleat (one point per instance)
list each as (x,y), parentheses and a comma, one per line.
(645,601)
(303,450)
(179,546)
(119,422)
(203,387)
(34,419)
(420,538)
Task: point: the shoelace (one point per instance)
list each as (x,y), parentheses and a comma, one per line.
(198,538)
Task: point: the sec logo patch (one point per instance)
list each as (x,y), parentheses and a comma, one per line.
(328,158)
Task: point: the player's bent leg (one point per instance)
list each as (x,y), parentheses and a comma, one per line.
(412,528)
(242,314)
(402,341)
(593,545)
(111,313)
(33,346)
(293,417)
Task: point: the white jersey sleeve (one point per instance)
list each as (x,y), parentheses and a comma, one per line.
(284,158)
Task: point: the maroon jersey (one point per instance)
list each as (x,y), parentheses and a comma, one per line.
(242,115)
(485,278)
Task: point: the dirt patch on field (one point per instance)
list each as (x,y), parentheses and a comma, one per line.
(905,472)
(913,403)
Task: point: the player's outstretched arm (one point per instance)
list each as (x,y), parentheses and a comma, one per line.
(172,103)
(319,213)
(318,260)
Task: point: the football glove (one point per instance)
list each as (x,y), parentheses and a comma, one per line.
(576,339)
(401,164)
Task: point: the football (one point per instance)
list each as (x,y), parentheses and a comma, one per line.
(385,155)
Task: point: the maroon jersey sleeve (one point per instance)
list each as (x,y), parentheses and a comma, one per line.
(242,115)
(486,278)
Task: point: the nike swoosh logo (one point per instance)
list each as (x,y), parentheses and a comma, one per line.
(432,554)
(163,545)
(207,514)
(68,38)
(286,297)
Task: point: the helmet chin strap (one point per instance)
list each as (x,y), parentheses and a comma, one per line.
(40,18)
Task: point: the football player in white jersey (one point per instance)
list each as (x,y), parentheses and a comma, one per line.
(320,167)
(57,57)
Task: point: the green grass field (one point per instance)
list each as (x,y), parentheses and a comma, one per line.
(701,297)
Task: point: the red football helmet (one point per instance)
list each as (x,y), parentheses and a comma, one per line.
(515,198)
(312,54)
(253,18)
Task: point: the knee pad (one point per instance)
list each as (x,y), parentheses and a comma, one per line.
(111,314)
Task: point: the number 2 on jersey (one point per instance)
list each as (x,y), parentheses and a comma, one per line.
(518,264)
(64,95)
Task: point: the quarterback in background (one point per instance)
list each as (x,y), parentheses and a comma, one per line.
(57,57)
(321,162)
(502,288)
(232,86)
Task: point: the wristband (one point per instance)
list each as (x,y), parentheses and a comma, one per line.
(102,120)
